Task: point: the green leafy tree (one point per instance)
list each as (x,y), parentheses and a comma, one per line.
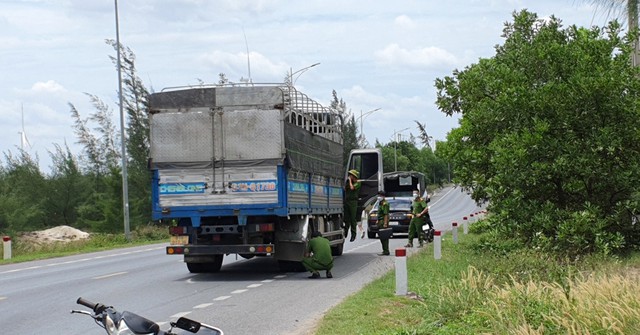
(22,194)
(628,8)
(67,188)
(348,125)
(549,133)
(423,135)
(102,158)
(135,99)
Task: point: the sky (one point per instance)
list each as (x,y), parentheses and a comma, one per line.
(377,55)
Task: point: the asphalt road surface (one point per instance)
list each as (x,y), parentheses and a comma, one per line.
(246,297)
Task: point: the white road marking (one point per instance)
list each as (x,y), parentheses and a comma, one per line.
(267,281)
(254,285)
(179,315)
(361,246)
(224,297)
(239,291)
(110,275)
(203,305)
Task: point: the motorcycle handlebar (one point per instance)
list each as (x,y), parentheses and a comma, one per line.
(97,308)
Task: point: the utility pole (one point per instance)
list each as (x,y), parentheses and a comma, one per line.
(362,117)
(123,139)
(395,148)
(291,73)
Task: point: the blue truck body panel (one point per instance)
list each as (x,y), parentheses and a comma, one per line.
(309,198)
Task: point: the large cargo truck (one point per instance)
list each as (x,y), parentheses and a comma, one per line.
(249,170)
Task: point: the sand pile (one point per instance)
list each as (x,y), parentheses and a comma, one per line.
(55,234)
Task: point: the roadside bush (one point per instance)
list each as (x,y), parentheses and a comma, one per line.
(151,232)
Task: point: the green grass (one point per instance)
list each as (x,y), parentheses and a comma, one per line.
(474,290)
(22,251)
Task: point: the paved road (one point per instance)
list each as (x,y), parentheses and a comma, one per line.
(247,297)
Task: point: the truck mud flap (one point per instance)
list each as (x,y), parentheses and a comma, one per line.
(290,251)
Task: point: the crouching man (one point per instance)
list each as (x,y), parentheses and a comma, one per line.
(318,256)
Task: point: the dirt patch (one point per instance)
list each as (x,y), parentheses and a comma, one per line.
(55,234)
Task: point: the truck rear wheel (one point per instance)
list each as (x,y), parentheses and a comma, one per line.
(290,266)
(208,267)
(337,250)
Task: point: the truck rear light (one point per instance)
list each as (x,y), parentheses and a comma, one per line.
(177,230)
(175,250)
(265,227)
(263,249)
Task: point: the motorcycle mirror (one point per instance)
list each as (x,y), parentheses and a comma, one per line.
(188,324)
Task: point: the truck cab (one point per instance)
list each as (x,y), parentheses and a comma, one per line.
(368,162)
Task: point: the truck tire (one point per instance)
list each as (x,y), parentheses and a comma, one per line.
(208,267)
(291,266)
(197,267)
(216,264)
(337,250)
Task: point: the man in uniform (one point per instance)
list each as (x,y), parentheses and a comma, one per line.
(383,221)
(419,210)
(352,190)
(318,256)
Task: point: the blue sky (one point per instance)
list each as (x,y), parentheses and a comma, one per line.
(375,54)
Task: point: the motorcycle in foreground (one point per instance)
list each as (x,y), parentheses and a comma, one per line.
(128,323)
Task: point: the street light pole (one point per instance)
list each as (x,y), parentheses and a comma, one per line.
(362,117)
(291,80)
(395,148)
(123,139)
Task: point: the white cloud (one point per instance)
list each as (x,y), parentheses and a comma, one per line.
(236,65)
(429,57)
(404,21)
(50,86)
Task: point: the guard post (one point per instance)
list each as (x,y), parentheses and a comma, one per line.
(401,271)
(6,246)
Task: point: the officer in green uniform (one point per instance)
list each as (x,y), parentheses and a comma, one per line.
(419,210)
(318,256)
(352,190)
(383,221)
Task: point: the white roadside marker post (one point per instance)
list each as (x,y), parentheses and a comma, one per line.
(437,244)
(454,231)
(401,271)
(465,225)
(6,247)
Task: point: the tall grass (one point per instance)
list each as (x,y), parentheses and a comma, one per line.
(473,290)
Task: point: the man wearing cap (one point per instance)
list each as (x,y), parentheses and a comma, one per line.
(383,221)
(351,192)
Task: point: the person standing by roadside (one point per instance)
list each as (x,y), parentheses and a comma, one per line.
(419,211)
(383,221)
(352,190)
